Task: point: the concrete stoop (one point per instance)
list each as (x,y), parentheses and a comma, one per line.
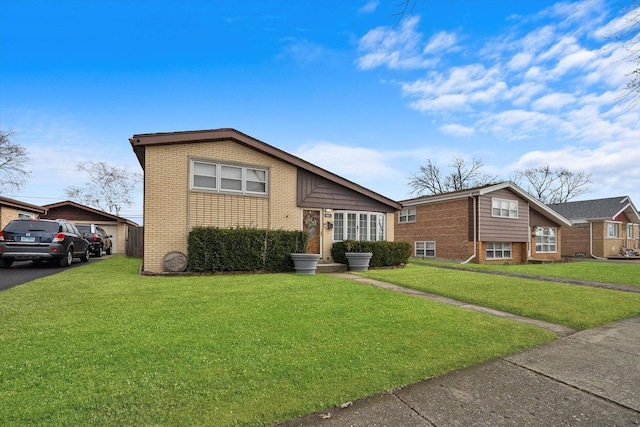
(331,267)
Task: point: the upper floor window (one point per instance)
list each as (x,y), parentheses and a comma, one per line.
(504,208)
(228,178)
(612,230)
(407,215)
(358,226)
(546,239)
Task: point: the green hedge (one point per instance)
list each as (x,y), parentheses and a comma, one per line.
(243,249)
(384,253)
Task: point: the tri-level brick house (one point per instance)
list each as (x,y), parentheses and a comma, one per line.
(498,223)
(224,178)
(602,228)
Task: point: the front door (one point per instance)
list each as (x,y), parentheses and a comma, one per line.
(311,224)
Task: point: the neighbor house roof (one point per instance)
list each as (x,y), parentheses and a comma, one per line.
(534,203)
(598,209)
(140,141)
(16,204)
(105,215)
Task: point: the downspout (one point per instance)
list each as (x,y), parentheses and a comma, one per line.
(591,242)
(475,230)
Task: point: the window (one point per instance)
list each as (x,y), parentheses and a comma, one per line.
(358,226)
(407,215)
(612,230)
(425,249)
(228,178)
(26,215)
(504,208)
(629,231)
(546,240)
(498,250)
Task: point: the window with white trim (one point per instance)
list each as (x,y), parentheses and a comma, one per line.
(629,231)
(546,239)
(498,250)
(504,208)
(425,249)
(358,226)
(229,178)
(26,215)
(612,230)
(407,215)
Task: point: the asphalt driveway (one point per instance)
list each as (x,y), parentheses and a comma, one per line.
(25,271)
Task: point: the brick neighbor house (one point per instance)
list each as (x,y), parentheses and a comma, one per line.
(77,213)
(601,228)
(224,178)
(11,209)
(498,223)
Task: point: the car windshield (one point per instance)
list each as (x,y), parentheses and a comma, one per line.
(31,226)
(84,228)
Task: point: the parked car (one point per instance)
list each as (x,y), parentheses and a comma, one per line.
(99,240)
(42,240)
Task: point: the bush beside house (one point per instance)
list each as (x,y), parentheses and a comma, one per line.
(385,254)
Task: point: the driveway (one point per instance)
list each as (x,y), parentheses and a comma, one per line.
(25,271)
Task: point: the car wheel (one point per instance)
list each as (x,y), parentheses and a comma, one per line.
(109,250)
(100,252)
(5,262)
(85,256)
(66,261)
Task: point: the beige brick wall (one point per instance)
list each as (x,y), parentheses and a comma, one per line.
(171,209)
(8,214)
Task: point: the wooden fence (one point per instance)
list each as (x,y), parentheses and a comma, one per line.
(135,242)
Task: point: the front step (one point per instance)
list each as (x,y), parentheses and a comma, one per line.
(331,267)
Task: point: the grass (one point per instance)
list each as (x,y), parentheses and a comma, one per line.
(627,273)
(101,345)
(579,307)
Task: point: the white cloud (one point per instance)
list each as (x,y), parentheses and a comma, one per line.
(442,41)
(553,101)
(457,130)
(369,7)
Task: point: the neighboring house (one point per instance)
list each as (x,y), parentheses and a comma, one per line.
(601,228)
(11,209)
(224,178)
(498,223)
(77,213)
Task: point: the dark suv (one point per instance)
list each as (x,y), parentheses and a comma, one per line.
(42,240)
(99,240)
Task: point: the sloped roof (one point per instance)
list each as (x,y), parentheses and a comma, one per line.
(534,203)
(597,209)
(91,210)
(5,201)
(140,141)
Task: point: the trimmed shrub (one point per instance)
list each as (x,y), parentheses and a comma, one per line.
(214,249)
(385,254)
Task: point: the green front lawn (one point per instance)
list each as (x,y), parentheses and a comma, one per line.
(100,344)
(622,272)
(579,307)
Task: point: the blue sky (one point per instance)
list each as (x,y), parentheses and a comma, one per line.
(342,84)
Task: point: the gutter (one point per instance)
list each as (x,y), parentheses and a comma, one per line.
(475,230)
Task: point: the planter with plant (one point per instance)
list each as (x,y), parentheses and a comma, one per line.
(357,259)
(303,262)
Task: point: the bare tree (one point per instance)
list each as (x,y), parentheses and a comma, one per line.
(553,185)
(630,35)
(13,159)
(110,188)
(430,179)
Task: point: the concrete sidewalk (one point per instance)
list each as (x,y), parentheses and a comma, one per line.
(591,378)
(588,378)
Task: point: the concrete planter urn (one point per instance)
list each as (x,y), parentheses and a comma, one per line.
(305,263)
(358,261)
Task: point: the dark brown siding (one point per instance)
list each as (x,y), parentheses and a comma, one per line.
(493,229)
(317,192)
(72,214)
